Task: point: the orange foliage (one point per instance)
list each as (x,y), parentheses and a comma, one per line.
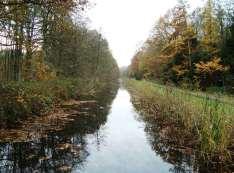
(210,67)
(180,70)
(40,70)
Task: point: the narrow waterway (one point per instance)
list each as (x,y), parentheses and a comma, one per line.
(112,139)
(124,147)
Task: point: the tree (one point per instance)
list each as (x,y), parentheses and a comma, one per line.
(182,45)
(210,28)
(24,28)
(210,73)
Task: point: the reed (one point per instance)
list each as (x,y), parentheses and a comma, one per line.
(209,117)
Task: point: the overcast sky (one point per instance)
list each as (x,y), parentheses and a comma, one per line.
(126,24)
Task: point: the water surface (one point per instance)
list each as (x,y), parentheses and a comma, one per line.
(125,147)
(112,139)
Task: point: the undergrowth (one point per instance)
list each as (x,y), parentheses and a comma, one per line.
(19,100)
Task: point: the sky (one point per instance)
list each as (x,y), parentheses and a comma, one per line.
(126,24)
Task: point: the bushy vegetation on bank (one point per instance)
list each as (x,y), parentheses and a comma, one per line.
(209,119)
(20,100)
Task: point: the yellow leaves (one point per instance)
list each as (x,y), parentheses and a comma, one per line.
(20,99)
(64,146)
(39,70)
(65,168)
(43,72)
(180,70)
(210,67)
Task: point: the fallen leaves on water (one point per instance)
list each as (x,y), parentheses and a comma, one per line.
(44,158)
(64,146)
(64,168)
(37,127)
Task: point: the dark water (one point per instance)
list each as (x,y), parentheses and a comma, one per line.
(112,139)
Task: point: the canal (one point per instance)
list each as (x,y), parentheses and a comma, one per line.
(112,139)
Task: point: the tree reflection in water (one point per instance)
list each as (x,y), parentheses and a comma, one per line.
(59,151)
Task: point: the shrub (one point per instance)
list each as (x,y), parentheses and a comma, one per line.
(21,99)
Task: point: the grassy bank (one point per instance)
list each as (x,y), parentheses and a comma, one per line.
(22,99)
(208,118)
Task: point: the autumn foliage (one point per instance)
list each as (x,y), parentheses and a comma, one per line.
(190,47)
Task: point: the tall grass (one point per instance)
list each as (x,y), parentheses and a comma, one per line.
(208,117)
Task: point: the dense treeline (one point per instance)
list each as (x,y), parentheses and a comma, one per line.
(79,52)
(25,27)
(39,39)
(48,55)
(190,49)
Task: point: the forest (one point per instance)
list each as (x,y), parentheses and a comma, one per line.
(49,55)
(190,48)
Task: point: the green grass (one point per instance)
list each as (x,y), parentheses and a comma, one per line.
(200,98)
(209,117)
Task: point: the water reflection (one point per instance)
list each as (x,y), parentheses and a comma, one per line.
(61,151)
(125,148)
(111,138)
(182,162)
